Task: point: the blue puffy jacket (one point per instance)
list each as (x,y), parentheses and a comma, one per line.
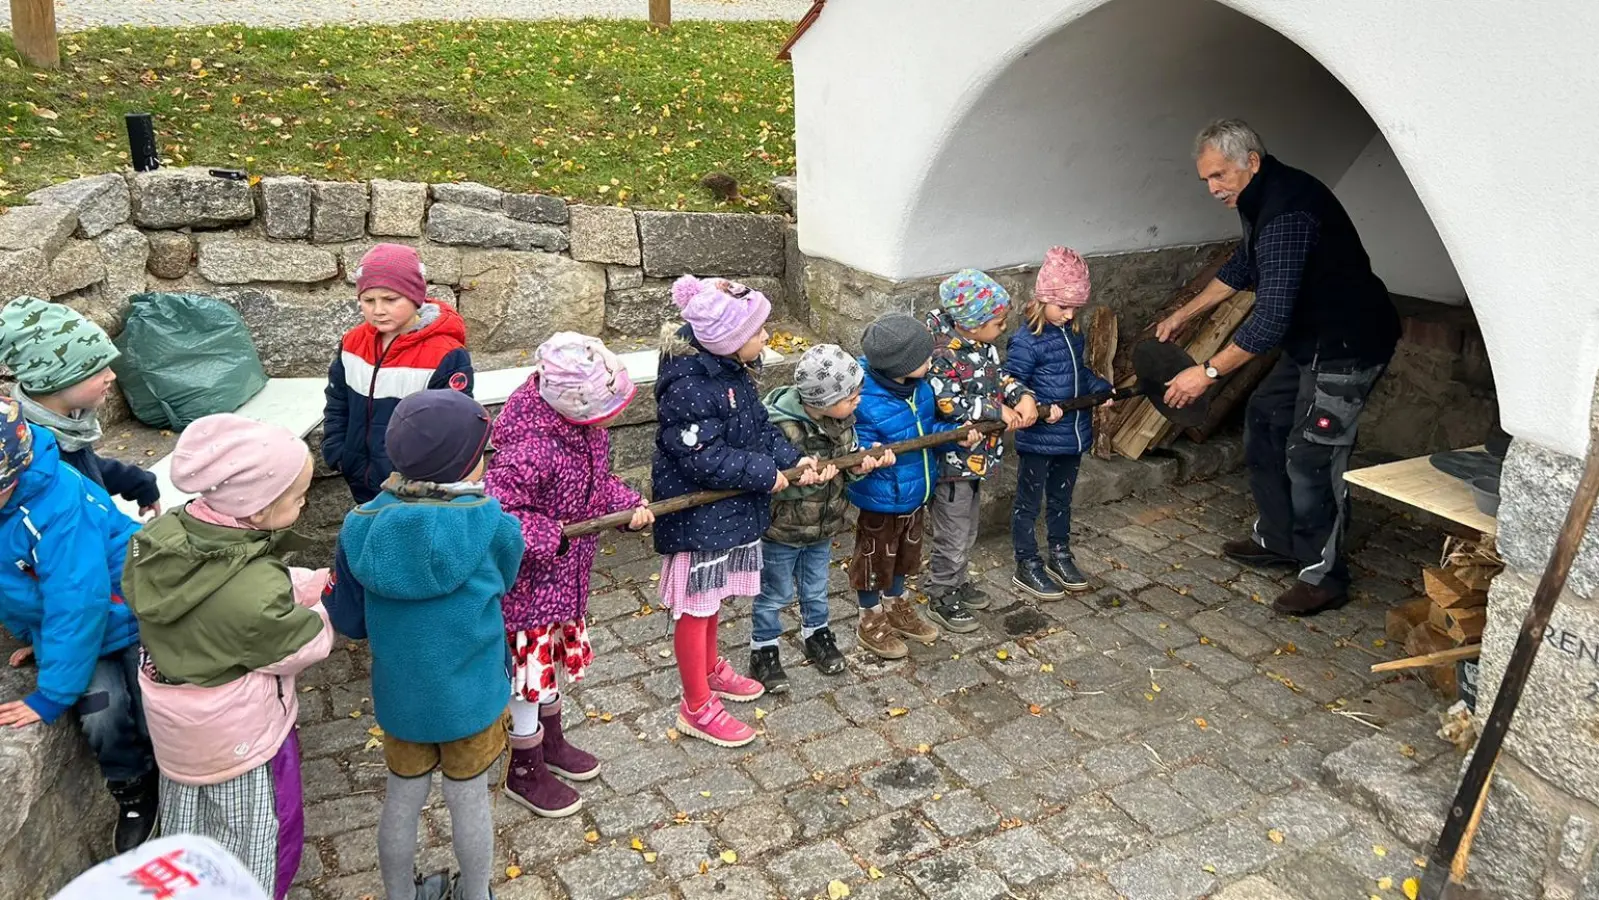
(883,417)
(62,546)
(713,434)
(1054,367)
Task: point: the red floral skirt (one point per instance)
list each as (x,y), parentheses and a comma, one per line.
(538,652)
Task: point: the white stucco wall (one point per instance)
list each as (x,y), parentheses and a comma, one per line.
(1399,235)
(1490,115)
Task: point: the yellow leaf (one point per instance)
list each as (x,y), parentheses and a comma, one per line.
(1209,868)
(1384,883)
(923,749)
(874,872)
(637,843)
(355,714)
(838,890)
(373,743)
(592,837)
(1275,836)
(1035,709)
(759,714)
(1379,643)
(606,717)
(1150,697)
(1379,849)
(672,735)
(1047,667)
(705,866)
(375,731)
(1202,723)
(651,856)
(513,872)
(43,113)
(1001,653)
(705,793)
(897,711)
(1411,887)
(1154,687)
(1420,861)
(656,577)
(1407,751)
(1203,639)
(938,797)
(729,857)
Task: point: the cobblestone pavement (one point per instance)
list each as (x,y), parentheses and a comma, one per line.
(1161,737)
(78,15)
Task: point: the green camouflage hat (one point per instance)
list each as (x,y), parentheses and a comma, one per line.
(50,347)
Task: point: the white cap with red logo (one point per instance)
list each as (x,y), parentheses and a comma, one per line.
(181,867)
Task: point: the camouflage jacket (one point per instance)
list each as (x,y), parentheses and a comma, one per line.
(805,515)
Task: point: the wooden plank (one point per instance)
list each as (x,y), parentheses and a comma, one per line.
(1235,390)
(1462,625)
(661,14)
(1415,482)
(1403,619)
(1450,592)
(1440,658)
(33,30)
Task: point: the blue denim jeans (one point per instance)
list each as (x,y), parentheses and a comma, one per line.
(111,712)
(781,567)
(1043,480)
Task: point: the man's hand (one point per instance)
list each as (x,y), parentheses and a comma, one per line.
(1013,419)
(1055,413)
(19,657)
(1187,386)
(17,714)
(973,438)
(1028,408)
(1170,325)
(642,519)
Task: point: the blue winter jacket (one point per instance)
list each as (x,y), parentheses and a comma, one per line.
(62,546)
(884,417)
(422,579)
(1054,367)
(119,479)
(713,434)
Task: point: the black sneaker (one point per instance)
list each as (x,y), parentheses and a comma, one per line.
(1252,554)
(822,650)
(1064,569)
(1031,577)
(138,803)
(944,606)
(767,668)
(971,596)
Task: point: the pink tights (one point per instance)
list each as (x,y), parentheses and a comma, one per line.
(694,640)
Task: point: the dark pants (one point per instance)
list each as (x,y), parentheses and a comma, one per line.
(111,712)
(1299,432)
(1043,480)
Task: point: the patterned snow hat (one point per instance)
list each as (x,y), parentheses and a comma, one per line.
(826,375)
(51,347)
(723,314)
(1063,279)
(16,444)
(972,298)
(582,379)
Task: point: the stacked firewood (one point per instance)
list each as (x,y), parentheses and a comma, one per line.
(1454,610)
(1134,427)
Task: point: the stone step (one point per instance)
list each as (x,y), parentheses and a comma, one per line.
(1405,774)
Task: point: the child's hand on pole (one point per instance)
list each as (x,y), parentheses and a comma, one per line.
(20,656)
(1028,410)
(17,714)
(973,438)
(1013,419)
(780,485)
(1055,413)
(642,519)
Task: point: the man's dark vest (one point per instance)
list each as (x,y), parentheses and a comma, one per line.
(1343,311)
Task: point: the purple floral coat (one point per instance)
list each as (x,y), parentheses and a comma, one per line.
(547,471)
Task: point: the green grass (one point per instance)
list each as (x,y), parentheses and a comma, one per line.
(596,111)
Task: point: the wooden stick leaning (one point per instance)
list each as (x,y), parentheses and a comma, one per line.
(1441,658)
(1474,784)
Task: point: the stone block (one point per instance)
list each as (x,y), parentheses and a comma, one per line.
(286,207)
(126,254)
(807,871)
(1512,850)
(956,876)
(171,254)
(23,272)
(786,188)
(296,332)
(185,197)
(1536,487)
(443,263)
(711,244)
(640,311)
(891,839)
(794,263)
(228,259)
(397,208)
(621,278)
(452,223)
(605,874)
(607,234)
(1161,874)
(338,211)
(960,814)
(100,201)
(45,228)
(536,208)
(1157,806)
(471,194)
(514,301)
(78,265)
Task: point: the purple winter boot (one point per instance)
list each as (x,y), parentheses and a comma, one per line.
(531,784)
(562,758)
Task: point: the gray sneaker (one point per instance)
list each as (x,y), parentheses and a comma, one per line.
(944,606)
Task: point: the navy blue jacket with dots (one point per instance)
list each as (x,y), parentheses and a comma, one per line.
(1054,366)
(714,435)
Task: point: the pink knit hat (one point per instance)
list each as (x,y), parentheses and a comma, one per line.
(723,314)
(581,379)
(396,267)
(1063,280)
(238,465)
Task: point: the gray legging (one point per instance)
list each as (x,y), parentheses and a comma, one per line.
(471,827)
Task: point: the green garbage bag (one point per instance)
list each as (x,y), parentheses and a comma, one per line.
(185,356)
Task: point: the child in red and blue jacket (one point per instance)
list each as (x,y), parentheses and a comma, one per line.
(408,343)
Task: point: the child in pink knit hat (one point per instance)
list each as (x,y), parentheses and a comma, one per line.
(714,434)
(552,466)
(1049,356)
(226,627)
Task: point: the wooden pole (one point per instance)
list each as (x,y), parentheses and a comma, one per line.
(660,14)
(33,29)
(1441,658)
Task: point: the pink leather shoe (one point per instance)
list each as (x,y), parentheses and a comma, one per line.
(713,724)
(728,684)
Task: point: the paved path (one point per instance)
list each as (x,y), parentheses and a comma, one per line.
(1161,738)
(76,15)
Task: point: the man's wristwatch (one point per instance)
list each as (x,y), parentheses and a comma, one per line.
(1210,371)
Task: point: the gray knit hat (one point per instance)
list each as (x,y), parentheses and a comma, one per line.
(826,375)
(897,345)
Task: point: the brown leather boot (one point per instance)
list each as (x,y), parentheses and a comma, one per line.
(905,620)
(1305,599)
(876,634)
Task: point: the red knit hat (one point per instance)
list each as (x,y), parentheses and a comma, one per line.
(396,267)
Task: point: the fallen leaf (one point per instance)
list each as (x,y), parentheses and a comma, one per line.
(1047,667)
(759,713)
(1275,836)
(592,837)
(1384,883)
(1411,887)
(375,731)
(923,749)
(672,735)
(373,743)
(729,857)
(1208,868)
(705,866)
(705,793)
(1150,697)
(897,711)
(874,872)
(938,797)
(355,714)
(43,113)
(1035,709)
(656,577)
(1379,643)
(665,653)
(1407,751)
(637,843)
(513,872)
(1420,861)
(1001,653)
(1203,639)
(1154,687)
(1379,849)
(1202,723)
(838,890)
(651,856)
(606,717)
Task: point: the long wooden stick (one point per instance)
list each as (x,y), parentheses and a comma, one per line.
(1440,658)
(1473,786)
(1457,868)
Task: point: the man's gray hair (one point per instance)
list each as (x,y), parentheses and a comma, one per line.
(1233,138)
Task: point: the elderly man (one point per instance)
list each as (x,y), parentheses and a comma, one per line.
(1316,298)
